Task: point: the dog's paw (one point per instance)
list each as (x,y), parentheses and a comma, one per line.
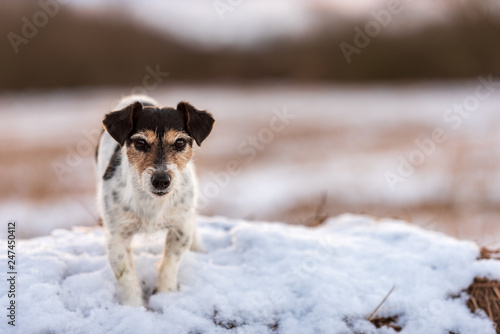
(135,301)
(197,246)
(166,288)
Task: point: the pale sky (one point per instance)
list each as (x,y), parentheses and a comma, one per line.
(243,22)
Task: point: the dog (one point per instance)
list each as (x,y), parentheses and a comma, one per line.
(146,182)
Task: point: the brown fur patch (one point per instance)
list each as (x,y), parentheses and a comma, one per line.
(179,158)
(139,160)
(143,160)
(171,136)
(149,135)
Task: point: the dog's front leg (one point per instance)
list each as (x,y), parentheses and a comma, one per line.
(177,243)
(121,261)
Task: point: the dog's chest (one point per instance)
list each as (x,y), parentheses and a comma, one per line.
(150,215)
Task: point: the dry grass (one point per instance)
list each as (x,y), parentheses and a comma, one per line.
(484,293)
(372,315)
(231,324)
(386,322)
(487,254)
(319,216)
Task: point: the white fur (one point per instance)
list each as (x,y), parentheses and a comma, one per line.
(127,206)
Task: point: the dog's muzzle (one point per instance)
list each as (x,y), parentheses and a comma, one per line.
(160,182)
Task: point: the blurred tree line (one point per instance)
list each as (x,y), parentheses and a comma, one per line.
(64,48)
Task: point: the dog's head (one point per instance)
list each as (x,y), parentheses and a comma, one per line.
(158,141)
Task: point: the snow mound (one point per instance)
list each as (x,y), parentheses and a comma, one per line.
(257,278)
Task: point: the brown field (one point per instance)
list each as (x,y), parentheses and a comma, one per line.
(327,162)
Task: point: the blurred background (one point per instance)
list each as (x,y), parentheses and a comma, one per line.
(384,108)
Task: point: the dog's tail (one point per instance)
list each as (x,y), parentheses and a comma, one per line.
(128,100)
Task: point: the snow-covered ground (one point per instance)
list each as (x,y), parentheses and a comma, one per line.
(256,278)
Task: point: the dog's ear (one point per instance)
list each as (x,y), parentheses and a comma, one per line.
(120,123)
(199,123)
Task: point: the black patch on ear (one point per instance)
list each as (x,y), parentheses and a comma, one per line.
(199,123)
(120,123)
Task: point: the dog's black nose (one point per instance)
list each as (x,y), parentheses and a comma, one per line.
(160,181)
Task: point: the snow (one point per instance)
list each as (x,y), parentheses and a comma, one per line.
(257,276)
(42,218)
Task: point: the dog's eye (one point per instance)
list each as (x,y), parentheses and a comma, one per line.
(140,144)
(180,144)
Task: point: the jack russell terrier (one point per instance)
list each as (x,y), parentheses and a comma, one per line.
(146,182)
